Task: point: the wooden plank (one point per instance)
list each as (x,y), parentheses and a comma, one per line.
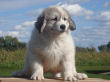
(13,79)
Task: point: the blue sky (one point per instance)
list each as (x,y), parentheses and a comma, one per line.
(92,18)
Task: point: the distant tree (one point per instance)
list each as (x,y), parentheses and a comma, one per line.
(15,43)
(7,42)
(102,48)
(22,45)
(92,49)
(105,47)
(108,46)
(10,43)
(1,42)
(81,49)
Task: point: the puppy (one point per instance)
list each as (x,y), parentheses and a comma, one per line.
(51,47)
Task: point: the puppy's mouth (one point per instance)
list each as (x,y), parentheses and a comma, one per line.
(58,31)
(62,31)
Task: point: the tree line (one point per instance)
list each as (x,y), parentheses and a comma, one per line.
(101,48)
(105,47)
(11,43)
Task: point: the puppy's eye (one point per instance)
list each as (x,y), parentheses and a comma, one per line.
(55,19)
(65,18)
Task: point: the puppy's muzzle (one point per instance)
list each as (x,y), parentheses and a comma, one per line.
(62,27)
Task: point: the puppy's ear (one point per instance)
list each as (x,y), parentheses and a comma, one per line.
(72,25)
(41,23)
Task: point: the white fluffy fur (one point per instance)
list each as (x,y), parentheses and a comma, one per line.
(50,53)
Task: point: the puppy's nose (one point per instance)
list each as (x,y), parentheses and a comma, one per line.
(62,27)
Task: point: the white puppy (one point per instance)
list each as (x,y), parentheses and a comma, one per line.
(51,47)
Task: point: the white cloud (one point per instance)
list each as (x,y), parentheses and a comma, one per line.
(87,35)
(74,9)
(96,35)
(92,35)
(24,26)
(34,13)
(74,1)
(23,30)
(28,23)
(77,10)
(107,4)
(17,4)
(10,33)
(1,32)
(21,35)
(13,33)
(105,15)
(3,21)
(107,23)
(103,18)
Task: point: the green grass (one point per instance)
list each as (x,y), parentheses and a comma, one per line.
(93,58)
(7,71)
(12,58)
(85,61)
(94,68)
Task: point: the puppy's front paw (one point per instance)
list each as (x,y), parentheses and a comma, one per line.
(81,76)
(37,76)
(70,77)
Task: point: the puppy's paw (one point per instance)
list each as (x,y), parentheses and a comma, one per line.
(81,76)
(37,77)
(70,77)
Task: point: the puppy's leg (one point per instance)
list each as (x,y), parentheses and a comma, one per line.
(36,68)
(68,63)
(79,76)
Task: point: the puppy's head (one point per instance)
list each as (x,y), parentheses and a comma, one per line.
(55,19)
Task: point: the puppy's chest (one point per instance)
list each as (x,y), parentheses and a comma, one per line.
(53,51)
(53,54)
(55,48)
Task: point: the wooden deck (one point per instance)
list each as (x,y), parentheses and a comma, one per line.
(13,79)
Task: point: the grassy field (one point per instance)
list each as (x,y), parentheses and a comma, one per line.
(88,62)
